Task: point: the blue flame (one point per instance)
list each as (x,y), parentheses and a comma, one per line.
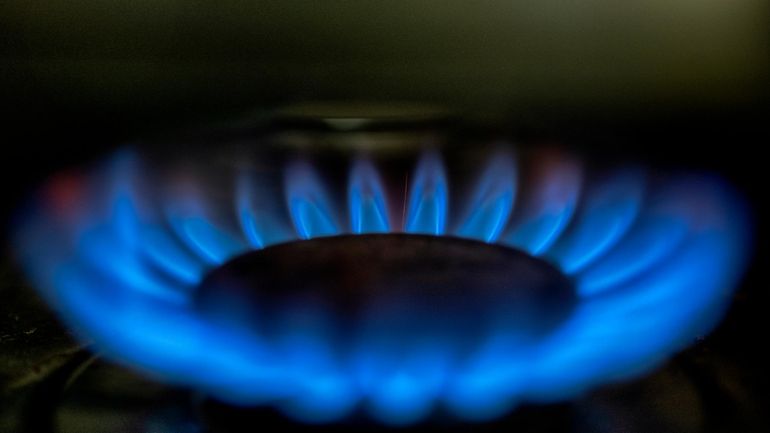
(428,197)
(402,389)
(366,198)
(257,214)
(195,225)
(213,244)
(550,208)
(492,200)
(653,239)
(608,213)
(653,266)
(309,203)
(162,249)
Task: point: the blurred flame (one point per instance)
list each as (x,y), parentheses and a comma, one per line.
(653,266)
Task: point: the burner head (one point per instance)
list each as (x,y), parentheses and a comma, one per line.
(402,290)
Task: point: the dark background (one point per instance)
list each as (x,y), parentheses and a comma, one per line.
(679,81)
(675,83)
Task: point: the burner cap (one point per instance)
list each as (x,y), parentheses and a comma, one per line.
(396,289)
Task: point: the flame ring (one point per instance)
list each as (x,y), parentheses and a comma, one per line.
(654,267)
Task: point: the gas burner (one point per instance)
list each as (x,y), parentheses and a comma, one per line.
(242,276)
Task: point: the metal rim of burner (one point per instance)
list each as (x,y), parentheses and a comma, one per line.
(405,290)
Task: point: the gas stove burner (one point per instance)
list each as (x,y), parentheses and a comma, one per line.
(247,279)
(405,291)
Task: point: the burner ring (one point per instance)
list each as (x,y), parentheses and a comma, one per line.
(405,290)
(653,261)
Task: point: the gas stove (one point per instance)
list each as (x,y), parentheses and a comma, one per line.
(405,277)
(430,216)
